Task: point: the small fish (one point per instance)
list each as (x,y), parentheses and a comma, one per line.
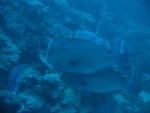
(78,56)
(106,81)
(15,78)
(124,46)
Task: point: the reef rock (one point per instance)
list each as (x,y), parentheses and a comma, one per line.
(9,53)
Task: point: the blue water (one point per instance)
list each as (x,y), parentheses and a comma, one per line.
(26,28)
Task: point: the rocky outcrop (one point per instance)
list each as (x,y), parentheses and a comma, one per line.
(9,53)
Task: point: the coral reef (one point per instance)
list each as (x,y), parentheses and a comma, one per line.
(9,52)
(26,26)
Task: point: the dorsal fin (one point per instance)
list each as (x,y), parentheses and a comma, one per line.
(92,37)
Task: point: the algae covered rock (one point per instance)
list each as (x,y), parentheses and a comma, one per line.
(9,53)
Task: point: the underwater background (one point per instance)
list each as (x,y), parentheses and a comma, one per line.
(28,84)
